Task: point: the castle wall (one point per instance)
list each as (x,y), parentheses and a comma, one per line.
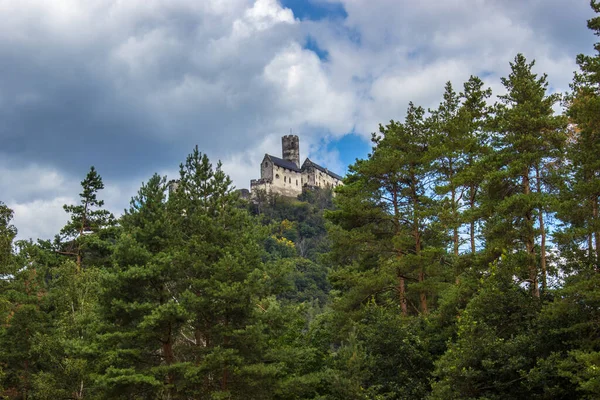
(308,176)
(279,180)
(314,177)
(325,180)
(286,182)
(266,169)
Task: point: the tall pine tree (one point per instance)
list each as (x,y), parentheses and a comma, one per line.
(527,134)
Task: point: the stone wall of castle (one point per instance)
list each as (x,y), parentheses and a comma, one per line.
(313,176)
(266,169)
(286,182)
(278,180)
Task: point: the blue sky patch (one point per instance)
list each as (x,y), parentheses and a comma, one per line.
(315,10)
(312,45)
(350,147)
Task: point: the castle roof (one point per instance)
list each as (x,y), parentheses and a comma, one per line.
(307,163)
(283,163)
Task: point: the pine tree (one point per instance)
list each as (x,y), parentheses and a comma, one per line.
(386,205)
(580,209)
(494,351)
(527,135)
(7,234)
(458,146)
(24,315)
(447,145)
(72,286)
(217,252)
(141,315)
(473,117)
(86,218)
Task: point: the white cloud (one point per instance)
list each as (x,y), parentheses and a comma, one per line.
(40,218)
(305,95)
(37,194)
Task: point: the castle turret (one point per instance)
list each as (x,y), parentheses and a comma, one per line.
(290,149)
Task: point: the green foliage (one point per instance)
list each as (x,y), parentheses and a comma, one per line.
(527,136)
(85,235)
(493,350)
(7,234)
(579,203)
(385,237)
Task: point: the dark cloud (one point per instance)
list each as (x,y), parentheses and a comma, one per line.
(136,97)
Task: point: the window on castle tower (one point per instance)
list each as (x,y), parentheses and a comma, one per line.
(277,176)
(284,178)
(296,182)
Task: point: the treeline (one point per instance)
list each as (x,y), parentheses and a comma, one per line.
(460,260)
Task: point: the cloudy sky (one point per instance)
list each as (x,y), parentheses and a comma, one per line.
(130,86)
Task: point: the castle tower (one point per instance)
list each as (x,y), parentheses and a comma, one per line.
(290,149)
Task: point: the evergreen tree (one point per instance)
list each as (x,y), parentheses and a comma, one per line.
(448,143)
(217,252)
(527,135)
(86,218)
(458,146)
(7,234)
(24,316)
(580,196)
(473,117)
(494,350)
(141,315)
(72,292)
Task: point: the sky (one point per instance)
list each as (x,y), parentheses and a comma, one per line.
(132,86)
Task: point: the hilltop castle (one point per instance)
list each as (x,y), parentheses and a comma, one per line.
(285,176)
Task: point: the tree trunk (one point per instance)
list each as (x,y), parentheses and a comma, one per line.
(417,236)
(530,241)
(596,233)
(590,240)
(81,231)
(26,379)
(543,234)
(422,295)
(471,208)
(543,253)
(455,221)
(402,292)
(206,342)
(472,237)
(401,280)
(455,233)
(225,374)
(456,241)
(79,393)
(169,356)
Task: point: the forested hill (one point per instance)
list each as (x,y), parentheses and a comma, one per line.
(459,260)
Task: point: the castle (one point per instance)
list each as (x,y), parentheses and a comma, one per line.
(285,176)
